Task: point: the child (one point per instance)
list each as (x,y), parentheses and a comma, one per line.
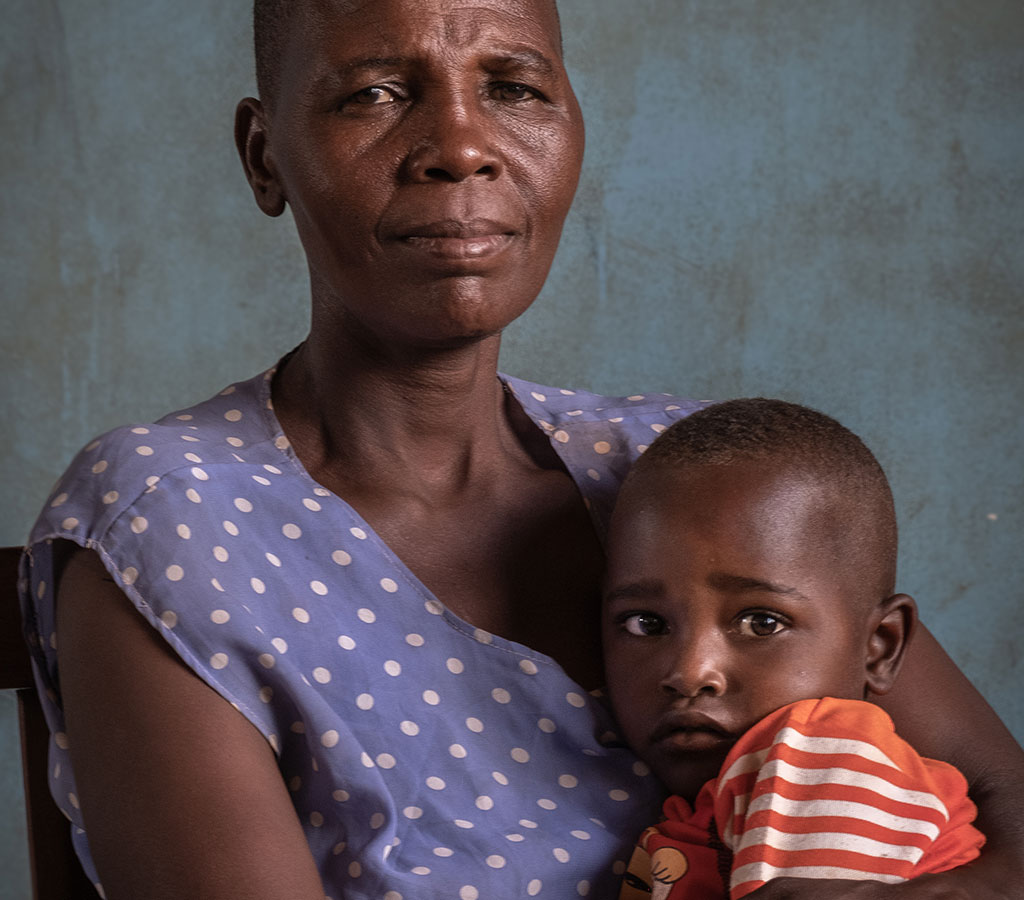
(749,613)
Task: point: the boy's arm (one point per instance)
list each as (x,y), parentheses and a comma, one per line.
(825,791)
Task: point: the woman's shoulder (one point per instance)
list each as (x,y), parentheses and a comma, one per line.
(113,471)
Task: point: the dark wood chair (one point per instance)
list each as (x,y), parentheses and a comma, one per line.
(56,873)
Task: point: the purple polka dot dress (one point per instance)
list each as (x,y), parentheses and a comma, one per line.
(426,758)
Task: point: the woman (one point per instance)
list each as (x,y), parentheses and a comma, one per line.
(385,695)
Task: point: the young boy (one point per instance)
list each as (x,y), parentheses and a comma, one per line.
(749,613)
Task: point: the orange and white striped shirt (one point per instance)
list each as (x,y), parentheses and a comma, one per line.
(818,789)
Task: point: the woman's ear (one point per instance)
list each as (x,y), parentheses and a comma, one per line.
(891,626)
(254,149)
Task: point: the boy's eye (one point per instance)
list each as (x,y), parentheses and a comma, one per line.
(761,624)
(644,624)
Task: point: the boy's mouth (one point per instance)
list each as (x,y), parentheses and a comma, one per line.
(689,731)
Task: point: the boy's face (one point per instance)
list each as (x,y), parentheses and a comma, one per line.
(727,597)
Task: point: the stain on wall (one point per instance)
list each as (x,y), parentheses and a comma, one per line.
(822,201)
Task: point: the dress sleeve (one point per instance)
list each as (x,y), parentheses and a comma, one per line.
(826,789)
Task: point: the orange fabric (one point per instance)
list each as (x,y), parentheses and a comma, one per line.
(818,789)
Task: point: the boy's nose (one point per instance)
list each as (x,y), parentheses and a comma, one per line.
(696,668)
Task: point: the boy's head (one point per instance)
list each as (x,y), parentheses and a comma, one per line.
(752,557)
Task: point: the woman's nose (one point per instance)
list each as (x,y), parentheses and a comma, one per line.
(696,668)
(457,144)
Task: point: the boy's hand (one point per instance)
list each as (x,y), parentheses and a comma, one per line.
(959,884)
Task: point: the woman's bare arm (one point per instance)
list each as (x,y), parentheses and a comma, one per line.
(180,794)
(942,715)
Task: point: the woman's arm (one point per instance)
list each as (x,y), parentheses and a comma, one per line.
(940,713)
(180,794)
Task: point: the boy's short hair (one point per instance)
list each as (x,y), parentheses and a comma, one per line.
(802,440)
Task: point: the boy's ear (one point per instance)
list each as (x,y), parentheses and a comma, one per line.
(891,626)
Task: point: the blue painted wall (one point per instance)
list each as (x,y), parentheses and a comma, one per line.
(813,199)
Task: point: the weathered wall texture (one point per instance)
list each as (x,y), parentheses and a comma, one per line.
(813,199)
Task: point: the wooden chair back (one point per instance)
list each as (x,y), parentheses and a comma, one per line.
(56,873)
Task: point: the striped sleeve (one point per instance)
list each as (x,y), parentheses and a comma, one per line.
(826,789)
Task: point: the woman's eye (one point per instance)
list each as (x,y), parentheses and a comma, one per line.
(513,93)
(761,624)
(644,624)
(373,96)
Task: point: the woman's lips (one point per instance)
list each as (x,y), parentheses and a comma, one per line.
(459,240)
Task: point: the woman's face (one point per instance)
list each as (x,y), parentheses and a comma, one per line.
(429,151)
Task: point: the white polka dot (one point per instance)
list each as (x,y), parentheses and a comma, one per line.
(311,504)
(220,616)
(386,761)
(227,392)
(217,585)
(258,586)
(641,769)
(59,500)
(561,854)
(616,420)
(199,474)
(467,891)
(495,861)
(458,751)
(73,800)
(500,778)
(389,585)
(243,505)
(393,895)
(483,802)
(434,608)
(519,755)
(267,660)
(280,645)
(431,697)
(110,497)
(474,725)
(273,560)
(455,666)
(233,415)
(230,527)
(443,852)
(195,458)
(316,819)
(641,448)
(576,700)
(281,442)
(266,694)
(340,796)
(318,587)
(143,450)
(580,835)
(534,887)
(583,889)
(568,781)
(393,668)
(300,615)
(354,870)
(546,803)
(61,740)
(235,442)
(273,470)
(412,812)
(515,838)
(561,436)
(420,870)
(341,558)
(100,466)
(618,796)
(575,412)
(367,615)
(414,640)
(219,660)
(602,447)
(346,643)
(292,531)
(538,396)
(69,523)
(410,728)
(526,823)
(129,575)
(365,702)
(321,675)
(169,618)
(500,695)
(593,475)
(259,479)
(435,783)
(358,533)
(364,758)
(220,554)
(547,726)
(482,636)
(184,532)
(175,573)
